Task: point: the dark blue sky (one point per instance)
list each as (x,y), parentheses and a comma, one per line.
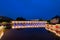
(30,9)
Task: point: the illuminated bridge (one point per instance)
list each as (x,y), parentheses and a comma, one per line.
(37,24)
(23,24)
(28,24)
(32,24)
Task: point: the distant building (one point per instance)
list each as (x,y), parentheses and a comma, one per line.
(55,20)
(34,19)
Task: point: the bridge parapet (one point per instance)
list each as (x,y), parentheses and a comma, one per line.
(28,24)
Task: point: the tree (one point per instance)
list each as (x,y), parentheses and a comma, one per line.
(5,19)
(20,19)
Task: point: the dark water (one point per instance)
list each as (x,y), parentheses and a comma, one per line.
(29,34)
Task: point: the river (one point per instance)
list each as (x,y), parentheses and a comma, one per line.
(29,34)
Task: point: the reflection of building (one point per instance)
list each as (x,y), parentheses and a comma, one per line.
(1,31)
(53,28)
(28,24)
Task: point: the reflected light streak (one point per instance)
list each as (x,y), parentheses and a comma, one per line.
(53,29)
(1,31)
(1,35)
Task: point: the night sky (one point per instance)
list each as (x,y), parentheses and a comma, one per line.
(30,9)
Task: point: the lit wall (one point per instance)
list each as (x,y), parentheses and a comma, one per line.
(28,24)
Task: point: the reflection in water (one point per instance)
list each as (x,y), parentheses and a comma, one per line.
(28,34)
(1,31)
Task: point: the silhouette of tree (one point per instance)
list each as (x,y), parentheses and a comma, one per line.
(5,19)
(20,19)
